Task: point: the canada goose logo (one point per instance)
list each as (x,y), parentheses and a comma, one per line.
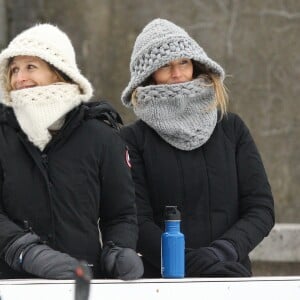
(127,158)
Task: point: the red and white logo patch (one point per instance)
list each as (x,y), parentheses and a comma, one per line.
(127,158)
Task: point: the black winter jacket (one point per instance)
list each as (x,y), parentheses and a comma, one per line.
(80,180)
(221,189)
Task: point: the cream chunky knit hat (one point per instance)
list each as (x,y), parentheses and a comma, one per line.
(49,43)
(160,42)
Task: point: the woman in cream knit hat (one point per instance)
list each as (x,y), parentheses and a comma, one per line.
(187,151)
(66,192)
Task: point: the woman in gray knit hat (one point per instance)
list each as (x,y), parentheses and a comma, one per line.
(66,192)
(187,150)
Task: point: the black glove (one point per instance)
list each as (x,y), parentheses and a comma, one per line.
(121,263)
(197,261)
(28,254)
(203,262)
(227,269)
(224,250)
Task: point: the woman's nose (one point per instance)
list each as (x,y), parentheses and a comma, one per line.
(18,79)
(176,72)
(21,75)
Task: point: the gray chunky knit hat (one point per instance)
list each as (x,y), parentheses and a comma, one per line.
(160,42)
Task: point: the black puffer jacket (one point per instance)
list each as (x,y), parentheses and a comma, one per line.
(79,180)
(221,189)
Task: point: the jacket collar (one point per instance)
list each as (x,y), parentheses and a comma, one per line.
(100,110)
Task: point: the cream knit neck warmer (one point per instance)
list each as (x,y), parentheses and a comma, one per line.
(42,107)
(182,114)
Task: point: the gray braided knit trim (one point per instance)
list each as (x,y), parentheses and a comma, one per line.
(183,114)
(179,90)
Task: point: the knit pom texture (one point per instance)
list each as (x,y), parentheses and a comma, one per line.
(49,43)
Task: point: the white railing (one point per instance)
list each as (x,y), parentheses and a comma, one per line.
(255,288)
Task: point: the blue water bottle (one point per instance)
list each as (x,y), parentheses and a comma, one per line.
(172,245)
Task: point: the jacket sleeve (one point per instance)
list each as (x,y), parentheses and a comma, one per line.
(9,230)
(256,205)
(118,220)
(149,232)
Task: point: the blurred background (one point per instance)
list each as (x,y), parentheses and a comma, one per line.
(256,41)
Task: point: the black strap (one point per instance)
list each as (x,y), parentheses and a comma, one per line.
(103,111)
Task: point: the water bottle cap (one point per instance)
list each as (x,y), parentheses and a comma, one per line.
(172,213)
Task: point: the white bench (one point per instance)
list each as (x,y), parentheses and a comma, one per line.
(282,245)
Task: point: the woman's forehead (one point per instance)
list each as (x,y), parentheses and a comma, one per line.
(25,58)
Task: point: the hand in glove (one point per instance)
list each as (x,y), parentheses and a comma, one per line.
(227,269)
(28,254)
(220,259)
(121,263)
(197,261)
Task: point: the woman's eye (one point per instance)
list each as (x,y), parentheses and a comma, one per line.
(14,70)
(31,67)
(184,62)
(165,66)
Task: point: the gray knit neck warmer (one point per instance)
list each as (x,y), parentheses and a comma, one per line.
(182,114)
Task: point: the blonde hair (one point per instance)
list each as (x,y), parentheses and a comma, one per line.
(8,86)
(133,99)
(221,95)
